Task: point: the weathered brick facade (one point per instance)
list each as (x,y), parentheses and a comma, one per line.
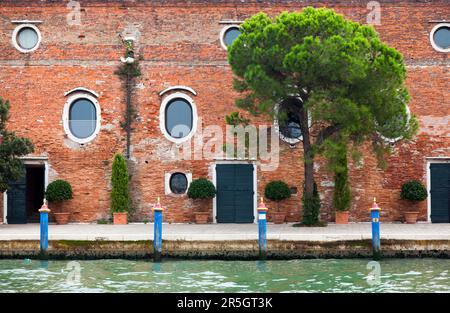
(180,45)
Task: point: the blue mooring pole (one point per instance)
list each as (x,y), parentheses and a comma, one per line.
(375,218)
(262,230)
(157,232)
(43,222)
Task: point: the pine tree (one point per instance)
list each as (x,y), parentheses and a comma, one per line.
(350,82)
(120,198)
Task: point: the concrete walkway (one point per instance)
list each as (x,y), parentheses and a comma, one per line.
(226,232)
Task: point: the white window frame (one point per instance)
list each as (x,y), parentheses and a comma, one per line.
(222,34)
(16,32)
(168,175)
(433,44)
(74,97)
(162,116)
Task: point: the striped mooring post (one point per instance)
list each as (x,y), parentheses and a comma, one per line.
(43,222)
(262,229)
(375,218)
(157,231)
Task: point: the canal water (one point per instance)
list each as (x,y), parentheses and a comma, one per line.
(351,275)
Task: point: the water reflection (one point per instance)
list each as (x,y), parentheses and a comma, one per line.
(420,275)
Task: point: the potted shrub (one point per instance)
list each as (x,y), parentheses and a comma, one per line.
(202,190)
(413,191)
(120,199)
(57,192)
(277,191)
(342,194)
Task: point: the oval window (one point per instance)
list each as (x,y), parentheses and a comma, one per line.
(440,37)
(229,34)
(178,183)
(82,118)
(288,119)
(178,118)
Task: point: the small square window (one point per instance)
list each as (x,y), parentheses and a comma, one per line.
(177,183)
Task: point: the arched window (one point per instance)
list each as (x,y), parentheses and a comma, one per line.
(26,38)
(287,121)
(81,117)
(440,37)
(178,117)
(228,35)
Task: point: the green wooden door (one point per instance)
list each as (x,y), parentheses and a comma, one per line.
(440,193)
(17,209)
(234,193)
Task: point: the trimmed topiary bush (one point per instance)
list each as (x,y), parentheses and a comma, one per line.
(277,191)
(201,188)
(120,199)
(58,190)
(413,190)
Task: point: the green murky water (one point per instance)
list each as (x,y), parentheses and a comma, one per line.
(395,275)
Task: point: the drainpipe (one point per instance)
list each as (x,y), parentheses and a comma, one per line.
(128,113)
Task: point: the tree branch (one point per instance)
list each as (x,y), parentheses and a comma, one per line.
(327,132)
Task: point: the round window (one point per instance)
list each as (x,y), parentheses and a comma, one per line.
(440,37)
(26,38)
(178,118)
(229,34)
(288,119)
(82,118)
(178,183)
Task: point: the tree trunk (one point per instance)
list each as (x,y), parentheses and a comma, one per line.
(308,153)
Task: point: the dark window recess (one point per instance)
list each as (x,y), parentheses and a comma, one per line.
(82,118)
(178,183)
(179,118)
(441,37)
(230,35)
(294,190)
(288,120)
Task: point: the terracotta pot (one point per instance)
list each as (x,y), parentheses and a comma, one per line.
(278,217)
(120,218)
(62,218)
(56,207)
(411,217)
(201,217)
(341,217)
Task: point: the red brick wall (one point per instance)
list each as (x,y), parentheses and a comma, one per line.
(180,46)
(1,207)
